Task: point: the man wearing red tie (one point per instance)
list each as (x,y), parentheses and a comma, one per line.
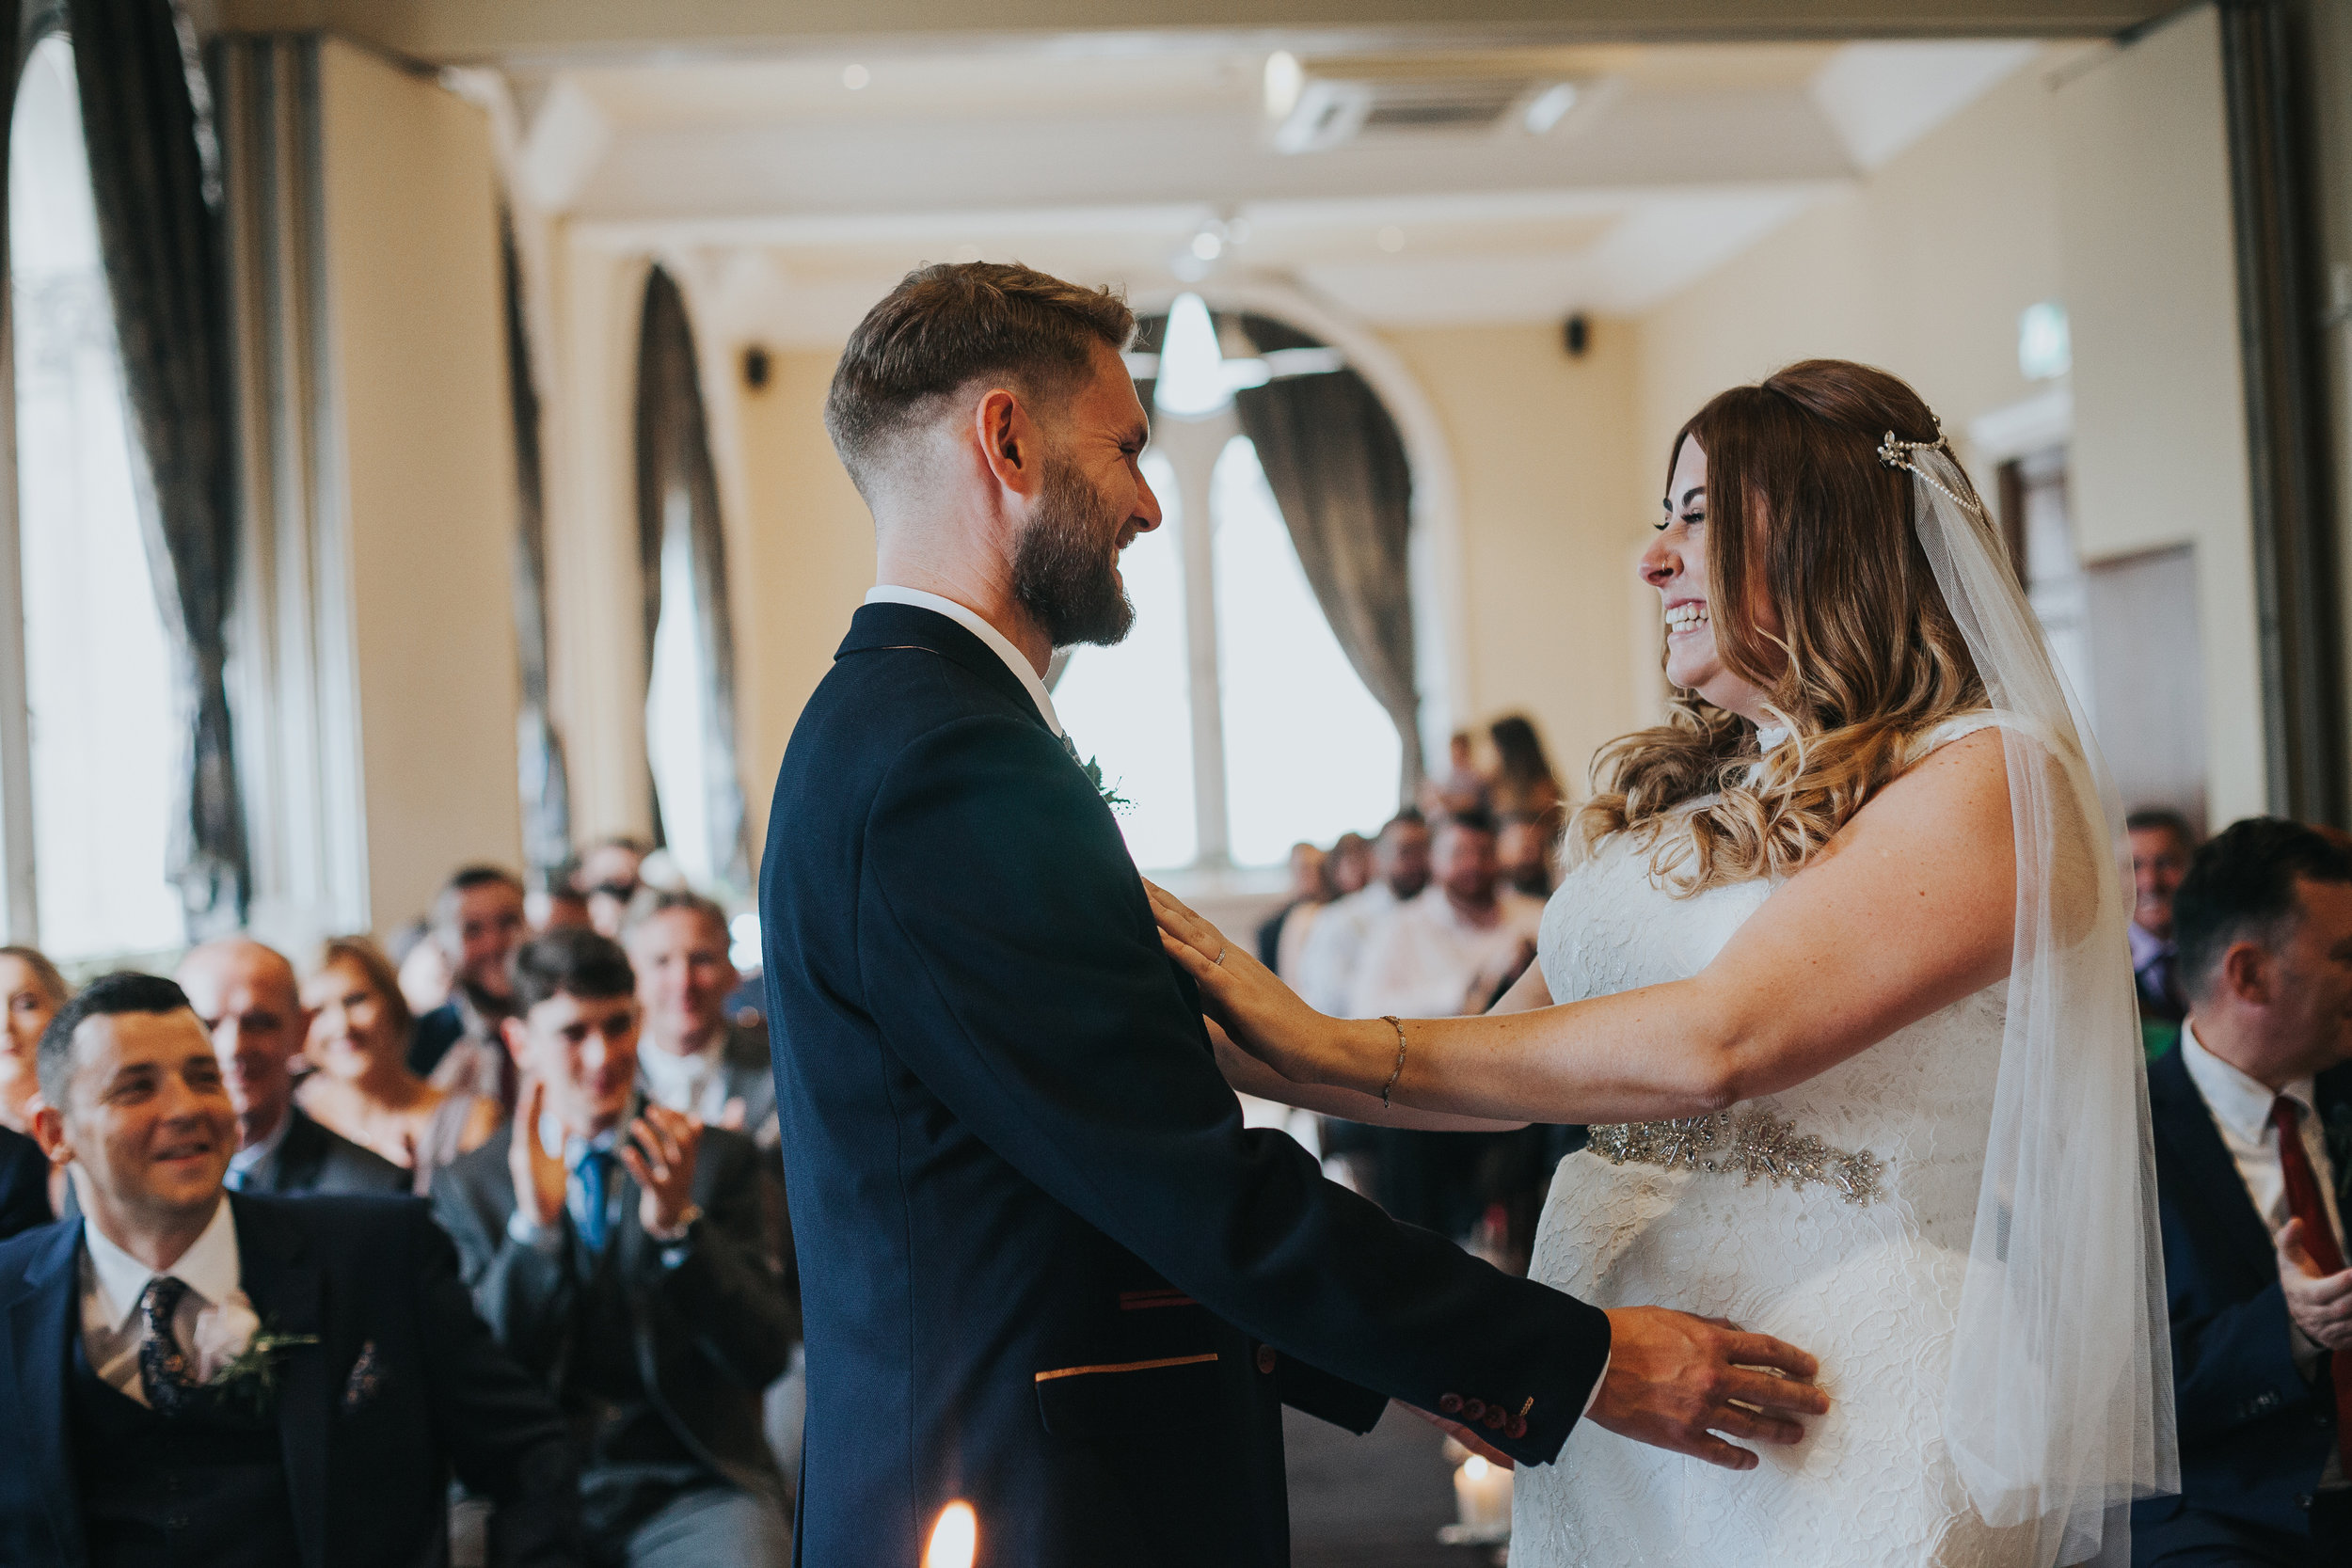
(2252,1113)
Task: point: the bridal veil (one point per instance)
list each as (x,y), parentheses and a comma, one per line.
(2059,1409)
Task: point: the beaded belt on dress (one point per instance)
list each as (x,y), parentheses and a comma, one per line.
(1746,1143)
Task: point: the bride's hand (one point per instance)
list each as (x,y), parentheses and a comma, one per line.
(1264,1016)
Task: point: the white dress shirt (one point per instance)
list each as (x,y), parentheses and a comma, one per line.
(1426,959)
(692,1083)
(1326,965)
(112,1281)
(998,644)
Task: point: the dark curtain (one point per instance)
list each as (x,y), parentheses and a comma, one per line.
(1337,467)
(674,469)
(546,786)
(146,116)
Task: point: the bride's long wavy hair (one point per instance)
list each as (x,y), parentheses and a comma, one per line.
(1807,520)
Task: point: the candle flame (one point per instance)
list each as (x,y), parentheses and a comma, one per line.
(955,1540)
(1474,1467)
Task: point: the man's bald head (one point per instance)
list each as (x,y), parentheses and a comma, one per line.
(248,998)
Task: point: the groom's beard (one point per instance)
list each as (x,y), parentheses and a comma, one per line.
(1065,569)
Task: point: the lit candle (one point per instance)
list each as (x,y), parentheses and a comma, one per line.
(1481,1491)
(956,1539)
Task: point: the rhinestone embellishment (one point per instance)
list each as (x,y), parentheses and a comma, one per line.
(1750,1143)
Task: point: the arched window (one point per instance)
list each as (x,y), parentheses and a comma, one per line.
(106,733)
(1231,717)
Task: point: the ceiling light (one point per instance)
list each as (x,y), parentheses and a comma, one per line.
(1391,239)
(855,76)
(1550,105)
(1284,77)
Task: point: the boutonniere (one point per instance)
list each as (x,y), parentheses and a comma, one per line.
(1109,793)
(235,1354)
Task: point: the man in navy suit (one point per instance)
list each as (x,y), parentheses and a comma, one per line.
(2253,1139)
(189,1375)
(1044,1269)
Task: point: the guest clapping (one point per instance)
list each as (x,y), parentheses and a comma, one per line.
(617,1250)
(361,1087)
(478,921)
(247,997)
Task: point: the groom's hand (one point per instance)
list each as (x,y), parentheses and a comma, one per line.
(1674,1380)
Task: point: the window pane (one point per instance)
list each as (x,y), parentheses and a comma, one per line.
(1129,707)
(675,728)
(1309,754)
(107,733)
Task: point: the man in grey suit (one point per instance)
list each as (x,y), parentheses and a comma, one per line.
(698,1059)
(620,1251)
(247,999)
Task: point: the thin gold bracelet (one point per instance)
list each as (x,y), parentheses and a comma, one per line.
(1398,1071)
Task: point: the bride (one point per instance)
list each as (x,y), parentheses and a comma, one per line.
(1839,983)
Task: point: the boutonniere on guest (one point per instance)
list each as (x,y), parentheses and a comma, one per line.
(235,1354)
(1111,796)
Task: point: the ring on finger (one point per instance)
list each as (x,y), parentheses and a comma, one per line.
(1219,961)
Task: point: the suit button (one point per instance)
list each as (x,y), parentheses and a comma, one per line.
(1474,1410)
(1495,1418)
(1449,1404)
(1265,1359)
(1517,1427)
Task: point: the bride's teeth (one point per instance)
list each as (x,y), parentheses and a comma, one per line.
(1683,617)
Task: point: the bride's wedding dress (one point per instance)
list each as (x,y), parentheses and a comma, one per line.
(1835,1216)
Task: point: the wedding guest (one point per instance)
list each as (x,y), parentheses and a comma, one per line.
(2161,842)
(1328,964)
(232,1379)
(558,901)
(1523,785)
(32,990)
(609,877)
(1461,787)
(477,921)
(1348,869)
(247,997)
(2252,1113)
(1287,927)
(618,1251)
(360,1084)
(24,1173)
(1525,854)
(425,974)
(693,1056)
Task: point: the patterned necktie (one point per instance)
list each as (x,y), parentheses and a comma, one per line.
(594,1174)
(2319,1237)
(163,1365)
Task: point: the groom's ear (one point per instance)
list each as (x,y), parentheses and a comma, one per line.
(1010,442)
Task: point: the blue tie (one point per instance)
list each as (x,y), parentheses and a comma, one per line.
(594,1174)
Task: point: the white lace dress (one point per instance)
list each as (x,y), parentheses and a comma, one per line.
(1835,1216)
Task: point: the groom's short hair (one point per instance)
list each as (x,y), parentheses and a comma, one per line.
(947,326)
(2241,887)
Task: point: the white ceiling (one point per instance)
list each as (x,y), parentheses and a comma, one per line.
(799,198)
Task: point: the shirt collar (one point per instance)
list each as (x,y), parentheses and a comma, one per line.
(252,1158)
(209,1268)
(674,1078)
(551,1135)
(998,644)
(2239,1102)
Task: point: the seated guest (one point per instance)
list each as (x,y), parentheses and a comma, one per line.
(1327,966)
(33,990)
(2161,844)
(1452,948)
(213,1378)
(694,1057)
(1522,785)
(360,1086)
(558,901)
(1348,867)
(1462,787)
(477,922)
(247,997)
(617,1250)
(609,877)
(1288,926)
(24,1173)
(1524,855)
(2253,1141)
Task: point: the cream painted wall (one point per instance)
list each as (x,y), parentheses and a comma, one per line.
(1549,473)
(422,421)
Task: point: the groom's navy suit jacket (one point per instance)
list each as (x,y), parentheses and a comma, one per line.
(2254,1436)
(402,1384)
(1043,1266)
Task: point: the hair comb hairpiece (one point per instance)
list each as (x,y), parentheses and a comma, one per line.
(1896,453)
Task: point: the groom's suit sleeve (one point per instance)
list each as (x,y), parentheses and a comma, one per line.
(1009,957)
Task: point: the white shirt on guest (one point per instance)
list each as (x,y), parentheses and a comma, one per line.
(112,1281)
(1427,958)
(1326,963)
(998,644)
(692,1082)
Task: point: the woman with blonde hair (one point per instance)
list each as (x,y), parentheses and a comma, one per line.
(1838,982)
(362,1087)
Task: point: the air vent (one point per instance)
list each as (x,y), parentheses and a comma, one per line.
(1330,111)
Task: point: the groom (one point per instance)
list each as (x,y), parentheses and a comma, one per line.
(1046,1269)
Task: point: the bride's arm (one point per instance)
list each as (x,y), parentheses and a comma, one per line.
(1909,910)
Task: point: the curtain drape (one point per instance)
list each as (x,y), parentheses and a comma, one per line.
(147,118)
(539,750)
(1337,467)
(673,469)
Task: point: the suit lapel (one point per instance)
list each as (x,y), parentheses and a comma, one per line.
(284,1287)
(39,1322)
(2184,1122)
(300,1154)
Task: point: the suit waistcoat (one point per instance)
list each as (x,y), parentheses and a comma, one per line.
(194,1490)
